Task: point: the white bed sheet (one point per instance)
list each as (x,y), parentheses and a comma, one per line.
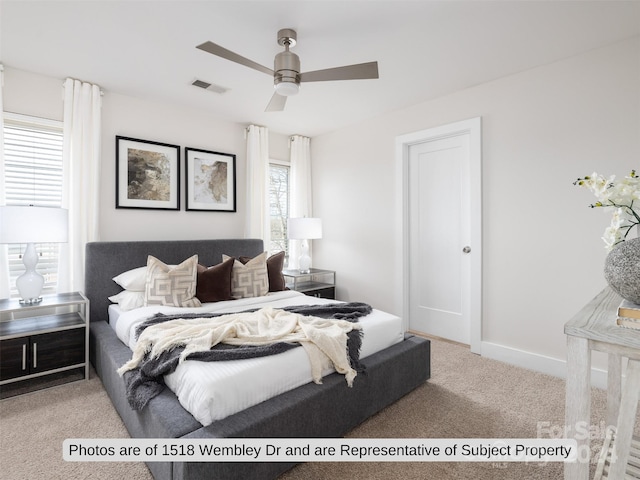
(211,391)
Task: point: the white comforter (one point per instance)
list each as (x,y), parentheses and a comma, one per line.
(211,391)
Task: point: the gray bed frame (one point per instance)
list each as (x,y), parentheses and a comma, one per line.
(329,410)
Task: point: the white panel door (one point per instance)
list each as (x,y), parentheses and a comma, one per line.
(439,237)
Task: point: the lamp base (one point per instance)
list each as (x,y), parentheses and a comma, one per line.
(304,262)
(31,301)
(30,283)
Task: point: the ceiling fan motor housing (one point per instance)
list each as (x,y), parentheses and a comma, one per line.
(286,65)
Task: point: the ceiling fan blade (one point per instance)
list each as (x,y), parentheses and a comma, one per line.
(277,103)
(360,71)
(214,49)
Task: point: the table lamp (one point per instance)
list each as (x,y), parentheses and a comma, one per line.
(304,229)
(30,225)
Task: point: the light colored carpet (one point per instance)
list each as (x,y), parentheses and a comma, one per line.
(33,427)
(466,397)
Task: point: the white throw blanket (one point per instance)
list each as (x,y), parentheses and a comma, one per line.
(324,340)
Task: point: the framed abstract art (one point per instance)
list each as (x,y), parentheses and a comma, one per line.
(147,174)
(210,183)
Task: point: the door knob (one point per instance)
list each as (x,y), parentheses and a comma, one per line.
(466,249)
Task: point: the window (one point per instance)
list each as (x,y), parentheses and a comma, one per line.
(279,206)
(33,176)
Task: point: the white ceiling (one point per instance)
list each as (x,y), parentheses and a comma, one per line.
(425,49)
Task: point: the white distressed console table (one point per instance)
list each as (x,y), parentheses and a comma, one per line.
(594,328)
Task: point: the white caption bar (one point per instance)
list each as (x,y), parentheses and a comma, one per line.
(319,450)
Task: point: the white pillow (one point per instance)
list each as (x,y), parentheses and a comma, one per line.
(128,300)
(134,280)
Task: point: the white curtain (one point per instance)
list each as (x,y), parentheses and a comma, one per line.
(5,286)
(300,188)
(81,167)
(257,219)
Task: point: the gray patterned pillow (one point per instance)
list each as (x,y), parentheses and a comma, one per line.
(171,286)
(250,279)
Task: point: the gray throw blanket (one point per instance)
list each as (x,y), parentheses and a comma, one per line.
(146,381)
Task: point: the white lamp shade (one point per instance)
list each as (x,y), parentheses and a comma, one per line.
(29,224)
(304,228)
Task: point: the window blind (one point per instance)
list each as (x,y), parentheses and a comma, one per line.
(33,176)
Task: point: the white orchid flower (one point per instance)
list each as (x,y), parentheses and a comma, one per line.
(624,196)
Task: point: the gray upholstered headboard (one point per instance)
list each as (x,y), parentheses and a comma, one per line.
(105,260)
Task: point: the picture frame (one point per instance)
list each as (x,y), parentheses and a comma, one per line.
(147,174)
(210,183)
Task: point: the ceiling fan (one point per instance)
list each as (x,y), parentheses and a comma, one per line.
(286,70)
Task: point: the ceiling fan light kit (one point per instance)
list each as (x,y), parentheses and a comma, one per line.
(286,71)
(286,88)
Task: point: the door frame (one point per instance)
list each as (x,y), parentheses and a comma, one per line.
(473,127)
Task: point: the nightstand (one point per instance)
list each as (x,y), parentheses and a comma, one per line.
(316,283)
(44,339)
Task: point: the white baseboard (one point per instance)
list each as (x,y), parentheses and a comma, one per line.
(538,363)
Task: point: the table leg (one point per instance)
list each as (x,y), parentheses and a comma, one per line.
(578,405)
(626,420)
(614,375)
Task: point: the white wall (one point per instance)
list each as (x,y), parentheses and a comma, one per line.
(39,95)
(31,94)
(132,117)
(543,256)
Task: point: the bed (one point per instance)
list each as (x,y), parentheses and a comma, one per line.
(392,369)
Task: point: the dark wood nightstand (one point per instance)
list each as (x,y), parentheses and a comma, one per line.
(44,339)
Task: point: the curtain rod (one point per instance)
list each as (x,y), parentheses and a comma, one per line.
(246,129)
(101,90)
(292,138)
